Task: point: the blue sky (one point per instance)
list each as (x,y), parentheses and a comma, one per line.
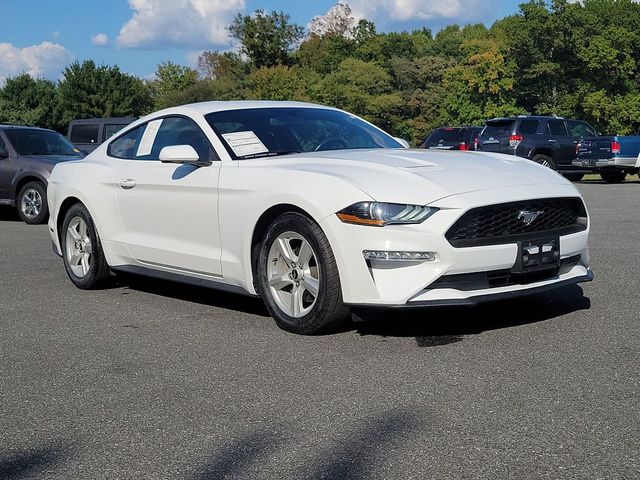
(43,36)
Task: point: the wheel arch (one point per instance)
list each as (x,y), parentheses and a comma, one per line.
(24,179)
(549,152)
(261,226)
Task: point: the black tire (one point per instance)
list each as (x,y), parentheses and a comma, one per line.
(545,160)
(26,201)
(613,176)
(329,312)
(98,270)
(573,177)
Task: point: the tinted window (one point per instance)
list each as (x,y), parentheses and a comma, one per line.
(498,129)
(146,141)
(255,132)
(31,141)
(557,127)
(450,135)
(180,131)
(580,129)
(111,130)
(529,126)
(84,133)
(126,145)
(3,148)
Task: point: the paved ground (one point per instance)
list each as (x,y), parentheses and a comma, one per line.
(157,380)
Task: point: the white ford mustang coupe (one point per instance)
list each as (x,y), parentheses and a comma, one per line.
(314,210)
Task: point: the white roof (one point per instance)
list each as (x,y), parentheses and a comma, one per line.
(216,106)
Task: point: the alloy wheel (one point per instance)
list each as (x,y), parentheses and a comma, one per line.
(78,247)
(293,274)
(31,203)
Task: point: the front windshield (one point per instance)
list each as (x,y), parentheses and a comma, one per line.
(262,132)
(31,141)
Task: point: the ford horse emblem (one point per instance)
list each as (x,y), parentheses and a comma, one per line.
(529,216)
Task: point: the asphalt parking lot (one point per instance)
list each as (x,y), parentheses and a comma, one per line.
(158,380)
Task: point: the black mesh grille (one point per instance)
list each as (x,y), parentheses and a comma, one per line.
(504,223)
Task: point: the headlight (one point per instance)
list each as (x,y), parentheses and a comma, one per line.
(381,214)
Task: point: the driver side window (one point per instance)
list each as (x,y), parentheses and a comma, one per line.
(146,141)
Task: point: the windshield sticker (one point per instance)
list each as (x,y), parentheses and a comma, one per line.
(245,143)
(149,136)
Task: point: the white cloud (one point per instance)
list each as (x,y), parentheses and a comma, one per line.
(44,60)
(190,24)
(100,40)
(415,10)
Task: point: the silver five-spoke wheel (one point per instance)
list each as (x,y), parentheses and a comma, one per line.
(31,203)
(78,247)
(293,274)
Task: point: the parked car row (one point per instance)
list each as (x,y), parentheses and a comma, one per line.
(549,141)
(28,155)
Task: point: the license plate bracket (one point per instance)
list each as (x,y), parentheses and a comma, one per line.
(536,255)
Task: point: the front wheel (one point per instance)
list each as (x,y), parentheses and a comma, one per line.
(82,252)
(298,277)
(613,176)
(32,203)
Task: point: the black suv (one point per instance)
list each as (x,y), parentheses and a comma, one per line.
(453,138)
(549,141)
(27,157)
(87,134)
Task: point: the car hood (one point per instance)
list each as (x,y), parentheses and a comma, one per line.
(419,176)
(52,159)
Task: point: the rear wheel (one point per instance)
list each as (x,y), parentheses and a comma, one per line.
(32,203)
(298,277)
(545,161)
(82,252)
(613,176)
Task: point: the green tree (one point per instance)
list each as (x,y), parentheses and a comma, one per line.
(87,91)
(267,39)
(171,78)
(218,65)
(28,101)
(278,83)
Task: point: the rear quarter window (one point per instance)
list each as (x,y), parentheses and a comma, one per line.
(126,146)
(87,133)
(528,126)
(557,127)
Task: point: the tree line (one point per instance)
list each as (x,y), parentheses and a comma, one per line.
(576,60)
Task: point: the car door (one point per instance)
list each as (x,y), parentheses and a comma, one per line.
(564,146)
(6,170)
(169,211)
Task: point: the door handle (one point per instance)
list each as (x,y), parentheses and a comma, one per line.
(128,183)
(552,141)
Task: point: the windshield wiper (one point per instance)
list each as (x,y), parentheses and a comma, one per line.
(270,154)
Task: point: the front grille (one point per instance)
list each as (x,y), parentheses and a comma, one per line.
(503,223)
(502,278)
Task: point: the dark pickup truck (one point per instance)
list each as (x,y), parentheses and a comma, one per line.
(612,157)
(549,141)
(27,157)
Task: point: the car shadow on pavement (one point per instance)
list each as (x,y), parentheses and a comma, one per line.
(191,293)
(8,214)
(29,463)
(441,326)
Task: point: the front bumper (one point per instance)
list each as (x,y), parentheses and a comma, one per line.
(383,283)
(616,162)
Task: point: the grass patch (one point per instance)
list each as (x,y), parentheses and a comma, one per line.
(594,177)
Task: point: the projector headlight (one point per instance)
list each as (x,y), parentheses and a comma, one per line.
(380,214)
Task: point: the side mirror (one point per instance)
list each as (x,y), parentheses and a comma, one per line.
(402,142)
(184,154)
